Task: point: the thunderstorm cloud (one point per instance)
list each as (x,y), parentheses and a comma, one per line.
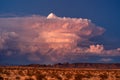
(51,38)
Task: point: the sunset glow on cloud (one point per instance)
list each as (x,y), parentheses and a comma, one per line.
(51,38)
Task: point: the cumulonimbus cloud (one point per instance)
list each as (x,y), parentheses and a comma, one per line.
(49,38)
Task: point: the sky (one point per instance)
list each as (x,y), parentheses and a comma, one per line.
(29,35)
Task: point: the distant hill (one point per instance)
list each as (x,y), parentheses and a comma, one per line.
(80,65)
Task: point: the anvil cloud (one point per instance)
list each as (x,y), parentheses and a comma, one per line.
(50,39)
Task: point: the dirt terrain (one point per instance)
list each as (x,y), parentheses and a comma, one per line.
(38,73)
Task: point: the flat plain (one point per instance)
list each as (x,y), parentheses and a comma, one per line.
(41,73)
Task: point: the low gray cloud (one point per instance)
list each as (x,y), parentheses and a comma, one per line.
(50,39)
(105,59)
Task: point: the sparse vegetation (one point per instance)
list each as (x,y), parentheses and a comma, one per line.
(17,78)
(29,79)
(79,76)
(38,73)
(103,76)
(1,78)
(68,75)
(40,76)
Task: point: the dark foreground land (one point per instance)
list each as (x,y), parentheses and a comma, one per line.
(33,72)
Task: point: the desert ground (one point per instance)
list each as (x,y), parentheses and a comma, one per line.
(39,73)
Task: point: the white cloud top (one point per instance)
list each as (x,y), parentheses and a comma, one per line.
(50,37)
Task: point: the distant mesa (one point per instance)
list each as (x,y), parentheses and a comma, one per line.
(51,16)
